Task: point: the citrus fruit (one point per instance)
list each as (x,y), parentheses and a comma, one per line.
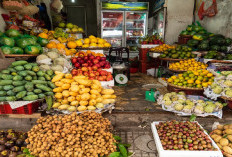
(43,35)
(71,45)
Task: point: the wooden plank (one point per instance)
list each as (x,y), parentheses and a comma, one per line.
(34,115)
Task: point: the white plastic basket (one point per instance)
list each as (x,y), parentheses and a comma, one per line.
(180,153)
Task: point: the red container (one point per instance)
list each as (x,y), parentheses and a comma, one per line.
(134,70)
(26,109)
(143,54)
(143,66)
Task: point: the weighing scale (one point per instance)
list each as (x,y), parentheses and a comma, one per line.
(119,73)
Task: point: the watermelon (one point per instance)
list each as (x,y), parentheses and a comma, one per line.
(7,50)
(12,33)
(17,50)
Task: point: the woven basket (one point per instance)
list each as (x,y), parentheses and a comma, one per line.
(29,10)
(12,4)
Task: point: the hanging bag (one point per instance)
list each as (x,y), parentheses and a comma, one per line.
(28,9)
(12,4)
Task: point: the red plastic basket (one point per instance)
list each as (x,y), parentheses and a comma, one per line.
(143,54)
(26,109)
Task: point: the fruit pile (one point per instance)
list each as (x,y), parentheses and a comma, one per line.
(13,42)
(190,64)
(90,61)
(182,103)
(87,134)
(12,143)
(162,48)
(154,39)
(25,81)
(92,41)
(223,138)
(88,53)
(78,93)
(175,135)
(55,44)
(71,28)
(195,79)
(222,84)
(180,52)
(217,55)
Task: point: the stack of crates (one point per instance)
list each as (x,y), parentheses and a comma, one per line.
(145,62)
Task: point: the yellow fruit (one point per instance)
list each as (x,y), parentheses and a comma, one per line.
(83,103)
(78,97)
(57,90)
(107,45)
(93,40)
(71,45)
(79,43)
(68,76)
(81,108)
(65,93)
(92,37)
(56,105)
(85,46)
(73,93)
(173,77)
(43,35)
(58,95)
(209,75)
(205,84)
(93,45)
(64,101)
(85,96)
(92,102)
(86,41)
(74,103)
(99,99)
(51,45)
(71,98)
(65,86)
(198,82)
(91,108)
(74,88)
(101,41)
(93,96)
(190,81)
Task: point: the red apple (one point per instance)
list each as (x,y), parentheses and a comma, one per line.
(98,65)
(92,57)
(91,78)
(84,69)
(97,73)
(103,73)
(102,63)
(95,61)
(77,65)
(109,74)
(91,74)
(89,61)
(109,79)
(78,59)
(90,68)
(86,73)
(80,72)
(100,78)
(85,65)
(74,72)
(98,57)
(74,60)
(81,61)
(96,77)
(104,77)
(103,59)
(91,64)
(94,67)
(99,70)
(107,66)
(86,58)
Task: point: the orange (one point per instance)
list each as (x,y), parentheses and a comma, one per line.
(170,80)
(43,35)
(71,45)
(51,45)
(60,46)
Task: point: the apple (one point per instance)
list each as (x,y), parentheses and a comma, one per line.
(109,79)
(74,72)
(84,69)
(91,78)
(74,60)
(89,61)
(95,61)
(77,65)
(99,70)
(102,63)
(78,59)
(98,58)
(98,65)
(96,77)
(109,74)
(91,74)
(100,78)
(104,77)
(81,61)
(107,66)
(80,72)
(92,57)
(97,73)
(85,65)
(103,59)
(91,64)
(103,73)
(86,58)
(90,68)
(86,73)
(94,67)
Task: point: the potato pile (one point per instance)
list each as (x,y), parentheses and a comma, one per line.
(84,135)
(223,137)
(78,93)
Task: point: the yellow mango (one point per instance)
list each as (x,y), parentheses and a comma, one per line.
(65,93)
(106,96)
(84,82)
(73,93)
(57,90)
(93,96)
(58,72)
(92,102)
(81,86)
(74,88)
(81,108)
(91,108)
(56,105)
(83,103)
(79,77)
(100,105)
(69,81)
(96,82)
(74,103)
(65,86)
(71,108)
(74,83)
(99,99)
(59,83)
(57,77)
(84,90)
(68,76)
(78,97)
(113,96)
(58,95)
(94,86)
(85,96)
(107,91)
(71,98)
(108,101)
(94,91)
(63,107)
(59,100)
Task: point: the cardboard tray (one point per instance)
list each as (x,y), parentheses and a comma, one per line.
(185,153)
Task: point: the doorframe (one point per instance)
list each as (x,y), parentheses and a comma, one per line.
(79,6)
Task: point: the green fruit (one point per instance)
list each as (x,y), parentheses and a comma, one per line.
(6,41)
(17,50)
(23,42)
(32,50)
(7,50)
(42,41)
(62,25)
(12,33)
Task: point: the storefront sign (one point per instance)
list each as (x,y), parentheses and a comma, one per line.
(158,5)
(125,6)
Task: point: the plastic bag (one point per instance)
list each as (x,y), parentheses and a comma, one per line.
(210,12)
